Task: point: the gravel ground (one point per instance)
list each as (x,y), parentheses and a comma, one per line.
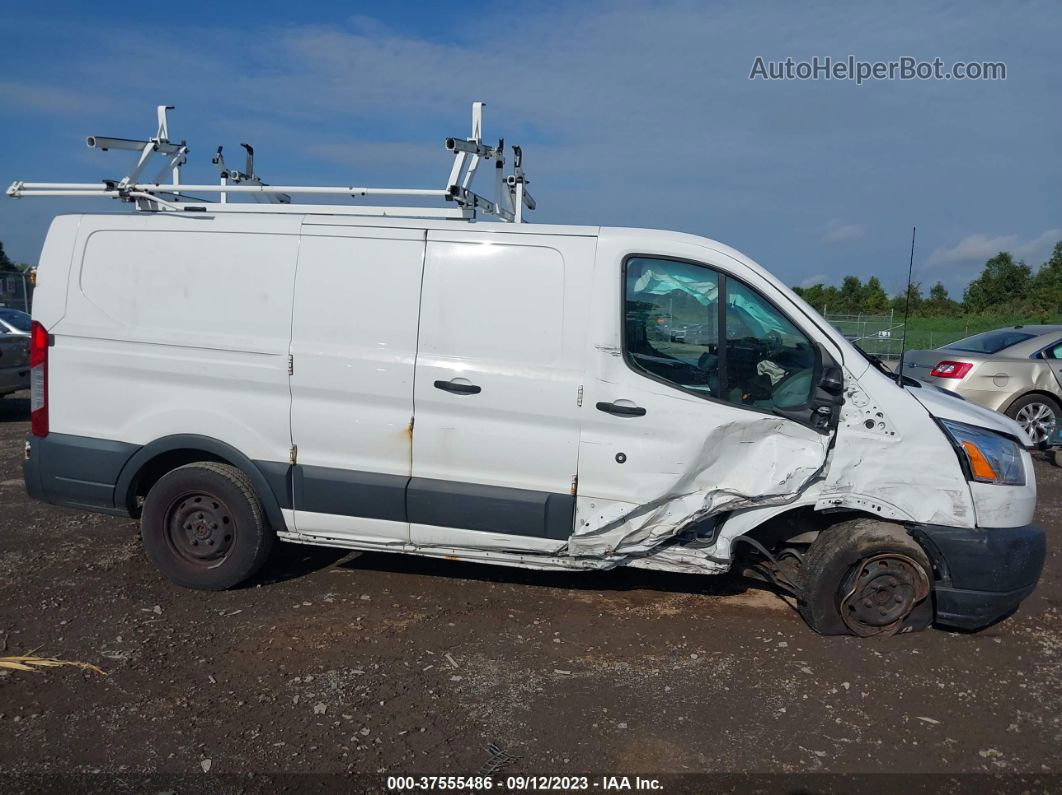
(372,664)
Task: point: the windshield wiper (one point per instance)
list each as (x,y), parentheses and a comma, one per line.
(883,368)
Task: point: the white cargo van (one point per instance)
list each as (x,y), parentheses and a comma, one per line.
(552,397)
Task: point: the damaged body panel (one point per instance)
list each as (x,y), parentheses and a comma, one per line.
(671,435)
(747,461)
(671,488)
(882,431)
(557,398)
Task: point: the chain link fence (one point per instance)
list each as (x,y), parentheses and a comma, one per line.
(938,339)
(880,335)
(15,291)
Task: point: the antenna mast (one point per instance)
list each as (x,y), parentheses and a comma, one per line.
(906,309)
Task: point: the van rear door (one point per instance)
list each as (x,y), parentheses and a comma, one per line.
(499,368)
(353,346)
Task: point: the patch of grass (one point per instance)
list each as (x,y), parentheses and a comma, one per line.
(932,332)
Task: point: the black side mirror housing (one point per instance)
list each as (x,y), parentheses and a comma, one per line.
(832,382)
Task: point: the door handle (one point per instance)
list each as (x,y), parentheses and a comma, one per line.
(458,389)
(621,411)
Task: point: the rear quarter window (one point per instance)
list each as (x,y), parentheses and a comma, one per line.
(990,341)
(15,319)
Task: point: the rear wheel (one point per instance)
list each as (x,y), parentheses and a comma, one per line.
(867,578)
(204,527)
(1038,415)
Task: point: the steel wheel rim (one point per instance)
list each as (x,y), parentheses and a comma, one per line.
(880,592)
(200,529)
(1038,420)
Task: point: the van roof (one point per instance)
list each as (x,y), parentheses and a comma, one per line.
(340,215)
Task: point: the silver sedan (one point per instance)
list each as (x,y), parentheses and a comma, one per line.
(1016,370)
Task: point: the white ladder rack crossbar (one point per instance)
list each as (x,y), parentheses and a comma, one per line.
(469,154)
(93,189)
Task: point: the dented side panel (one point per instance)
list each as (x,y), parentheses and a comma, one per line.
(892,460)
(644,479)
(738,459)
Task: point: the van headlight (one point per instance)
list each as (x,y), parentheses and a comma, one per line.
(986,457)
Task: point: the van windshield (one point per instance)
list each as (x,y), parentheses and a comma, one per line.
(990,341)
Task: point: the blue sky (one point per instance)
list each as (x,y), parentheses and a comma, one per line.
(633,114)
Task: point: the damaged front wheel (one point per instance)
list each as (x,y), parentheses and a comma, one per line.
(867,578)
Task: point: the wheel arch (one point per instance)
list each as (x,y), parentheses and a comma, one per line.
(801,524)
(156,458)
(772,524)
(1028,393)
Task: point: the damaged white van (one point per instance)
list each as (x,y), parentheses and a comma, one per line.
(553,397)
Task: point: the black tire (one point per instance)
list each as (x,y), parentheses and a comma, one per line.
(836,566)
(204,527)
(1028,403)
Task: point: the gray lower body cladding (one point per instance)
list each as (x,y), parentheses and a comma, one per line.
(76,471)
(982,574)
(96,475)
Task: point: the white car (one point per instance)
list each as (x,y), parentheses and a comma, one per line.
(14,350)
(419,381)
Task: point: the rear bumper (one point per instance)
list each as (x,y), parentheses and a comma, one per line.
(982,574)
(75,471)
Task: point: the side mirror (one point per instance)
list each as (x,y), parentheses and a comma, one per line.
(832,381)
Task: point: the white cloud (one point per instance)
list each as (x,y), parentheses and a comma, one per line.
(975,249)
(837,231)
(37,97)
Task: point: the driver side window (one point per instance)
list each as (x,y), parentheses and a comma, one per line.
(671,323)
(770,363)
(751,355)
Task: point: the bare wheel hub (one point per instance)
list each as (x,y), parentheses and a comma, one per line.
(880,593)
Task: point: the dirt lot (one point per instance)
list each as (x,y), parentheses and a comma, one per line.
(372,664)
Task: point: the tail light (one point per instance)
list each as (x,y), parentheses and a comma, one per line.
(38,379)
(949,369)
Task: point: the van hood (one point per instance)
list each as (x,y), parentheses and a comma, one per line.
(946,406)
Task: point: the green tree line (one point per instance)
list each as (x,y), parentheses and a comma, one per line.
(1005,286)
(7,266)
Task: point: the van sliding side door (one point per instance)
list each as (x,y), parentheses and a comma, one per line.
(499,370)
(353,345)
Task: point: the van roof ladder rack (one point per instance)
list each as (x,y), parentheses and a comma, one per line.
(248,177)
(512,197)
